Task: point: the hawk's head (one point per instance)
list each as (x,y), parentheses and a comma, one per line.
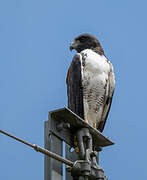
(86,41)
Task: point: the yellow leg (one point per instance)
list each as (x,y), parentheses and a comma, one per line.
(86,120)
(75,141)
(76,145)
(94,125)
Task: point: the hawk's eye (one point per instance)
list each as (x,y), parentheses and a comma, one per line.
(82,39)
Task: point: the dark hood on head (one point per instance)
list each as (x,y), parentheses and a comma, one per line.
(86,41)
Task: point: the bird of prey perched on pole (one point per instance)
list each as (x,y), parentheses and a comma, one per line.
(90,81)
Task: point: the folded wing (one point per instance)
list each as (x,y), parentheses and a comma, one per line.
(74,86)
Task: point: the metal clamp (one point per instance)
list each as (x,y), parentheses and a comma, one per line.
(86,169)
(87,166)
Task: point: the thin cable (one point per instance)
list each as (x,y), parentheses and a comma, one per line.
(40,149)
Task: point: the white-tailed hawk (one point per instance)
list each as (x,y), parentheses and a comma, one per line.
(90,81)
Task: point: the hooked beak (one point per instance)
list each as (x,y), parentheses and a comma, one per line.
(74,45)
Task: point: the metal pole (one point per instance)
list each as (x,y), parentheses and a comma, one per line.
(42,150)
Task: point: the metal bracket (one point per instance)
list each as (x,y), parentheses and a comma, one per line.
(64,124)
(67,126)
(84,141)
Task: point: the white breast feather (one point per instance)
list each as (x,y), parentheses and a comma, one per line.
(95,70)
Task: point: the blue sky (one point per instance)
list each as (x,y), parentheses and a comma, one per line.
(34,58)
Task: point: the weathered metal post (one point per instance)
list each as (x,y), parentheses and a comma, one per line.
(52,167)
(64,125)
